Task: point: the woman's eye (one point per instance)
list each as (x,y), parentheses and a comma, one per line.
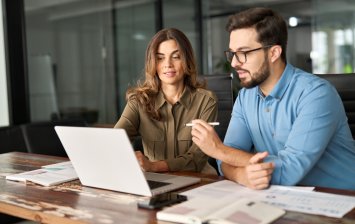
(159,58)
(176,56)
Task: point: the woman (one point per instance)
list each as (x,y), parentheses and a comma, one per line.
(159,107)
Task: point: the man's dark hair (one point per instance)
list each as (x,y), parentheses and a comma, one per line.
(270,26)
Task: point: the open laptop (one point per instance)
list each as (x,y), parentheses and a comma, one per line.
(104,158)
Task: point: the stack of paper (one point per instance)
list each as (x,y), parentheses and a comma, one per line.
(298,199)
(48,175)
(226,211)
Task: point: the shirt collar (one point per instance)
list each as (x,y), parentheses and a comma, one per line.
(185,98)
(160,100)
(281,86)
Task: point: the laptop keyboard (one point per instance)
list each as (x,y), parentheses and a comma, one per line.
(155,184)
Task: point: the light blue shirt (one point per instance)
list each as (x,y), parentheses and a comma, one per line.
(303,125)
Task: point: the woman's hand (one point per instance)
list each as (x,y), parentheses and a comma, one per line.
(149,166)
(143,161)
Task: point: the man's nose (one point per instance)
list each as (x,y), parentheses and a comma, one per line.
(235,62)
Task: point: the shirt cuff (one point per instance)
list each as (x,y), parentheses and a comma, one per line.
(219,164)
(174,164)
(276,175)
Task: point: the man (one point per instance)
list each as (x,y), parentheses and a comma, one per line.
(288,127)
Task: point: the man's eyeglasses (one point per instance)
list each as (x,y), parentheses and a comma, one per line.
(242,55)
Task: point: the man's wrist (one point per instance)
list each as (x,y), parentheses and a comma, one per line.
(218,152)
(240,176)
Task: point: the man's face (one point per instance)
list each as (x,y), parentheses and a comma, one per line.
(254,67)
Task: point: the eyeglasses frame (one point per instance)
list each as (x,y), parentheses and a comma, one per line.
(243,52)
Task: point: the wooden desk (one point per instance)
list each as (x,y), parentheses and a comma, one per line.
(73,203)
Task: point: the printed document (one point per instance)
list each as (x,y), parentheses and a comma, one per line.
(227,211)
(288,198)
(48,175)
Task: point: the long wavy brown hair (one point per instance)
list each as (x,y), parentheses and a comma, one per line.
(147,90)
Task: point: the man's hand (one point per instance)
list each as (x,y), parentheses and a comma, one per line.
(205,137)
(259,173)
(256,175)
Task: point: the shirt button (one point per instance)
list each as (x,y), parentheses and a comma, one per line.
(267,109)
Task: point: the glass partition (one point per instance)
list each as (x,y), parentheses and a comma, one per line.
(83,54)
(333,37)
(4,104)
(134,27)
(182,14)
(70,60)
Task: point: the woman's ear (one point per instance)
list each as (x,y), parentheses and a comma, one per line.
(275,52)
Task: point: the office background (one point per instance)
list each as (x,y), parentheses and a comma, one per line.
(63,59)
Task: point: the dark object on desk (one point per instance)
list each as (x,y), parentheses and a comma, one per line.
(8,219)
(41,138)
(11,139)
(161,200)
(345,85)
(222,86)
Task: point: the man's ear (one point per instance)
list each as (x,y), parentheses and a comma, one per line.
(275,52)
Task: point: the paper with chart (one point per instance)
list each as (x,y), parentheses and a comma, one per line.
(288,198)
(48,175)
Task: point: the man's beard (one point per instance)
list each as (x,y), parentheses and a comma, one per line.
(258,77)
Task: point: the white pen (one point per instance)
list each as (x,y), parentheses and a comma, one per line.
(210,123)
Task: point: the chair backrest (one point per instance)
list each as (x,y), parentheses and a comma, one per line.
(345,85)
(11,139)
(222,86)
(41,138)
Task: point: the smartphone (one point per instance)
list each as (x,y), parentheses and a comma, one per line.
(161,200)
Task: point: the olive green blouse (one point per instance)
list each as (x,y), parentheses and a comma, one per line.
(169,139)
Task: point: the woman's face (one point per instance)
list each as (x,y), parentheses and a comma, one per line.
(169,64)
